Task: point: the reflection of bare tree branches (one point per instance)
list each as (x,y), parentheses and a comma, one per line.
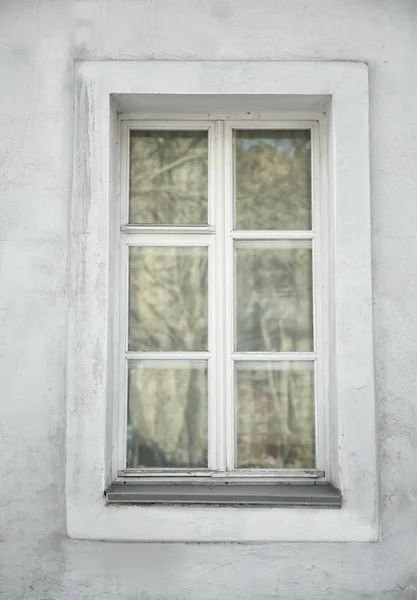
(148,177)
(274,282)
(278,404)
(168,301)
(167,425)
(273,180)
(276,315)
(168,177)
(263,441)
(175,338)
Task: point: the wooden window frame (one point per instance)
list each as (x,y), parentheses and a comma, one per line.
(219,236)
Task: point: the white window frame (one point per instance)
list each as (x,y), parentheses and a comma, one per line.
(220,243)
(340,92)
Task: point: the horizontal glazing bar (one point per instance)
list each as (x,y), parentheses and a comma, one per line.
(274,356)
(277,244)
(253,234)
(167,355)
(166,239)
(243,474)
(166,125)
(274,125)
(198,229)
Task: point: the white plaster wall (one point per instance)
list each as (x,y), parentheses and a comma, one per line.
(38,43)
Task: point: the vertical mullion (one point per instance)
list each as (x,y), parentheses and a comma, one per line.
(230,304)
(319,293)
(124,173)
(212,167)
(216,307)
(124,365)
(212,376)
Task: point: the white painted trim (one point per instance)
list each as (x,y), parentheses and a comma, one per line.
(197,229)
(165,239)
(270,123)
(120,401)
(272,242)
(167,356)
(229,301)
(221,395)
(164,123)
(217,422)
(113,370)
(271,235)
(290,119)
(351,388)
(321,320)
(273,475)
(274,356)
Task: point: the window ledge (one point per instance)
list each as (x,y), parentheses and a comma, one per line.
(313,495)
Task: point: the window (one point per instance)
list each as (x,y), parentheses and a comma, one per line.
(222,361)
(178,486)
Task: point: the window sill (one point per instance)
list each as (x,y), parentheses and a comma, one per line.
(318,494)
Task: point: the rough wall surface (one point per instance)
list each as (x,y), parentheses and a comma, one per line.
(38,43)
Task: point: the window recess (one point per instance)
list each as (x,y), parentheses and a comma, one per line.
(330,98)
(220,395)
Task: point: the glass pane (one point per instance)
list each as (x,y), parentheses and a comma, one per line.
(167,414)
(273,179)
(168,177)
(275,415)
(167,298)
(274,297)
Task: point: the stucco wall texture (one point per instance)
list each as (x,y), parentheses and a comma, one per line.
(39,41)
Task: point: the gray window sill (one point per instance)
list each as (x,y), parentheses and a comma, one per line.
(317,494)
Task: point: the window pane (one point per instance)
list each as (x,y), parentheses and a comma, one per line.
(167,414)
(168,298)
(168,177)
(275,415)
(274,297)
(273,179)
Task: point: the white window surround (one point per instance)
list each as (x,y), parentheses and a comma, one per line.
(302,90)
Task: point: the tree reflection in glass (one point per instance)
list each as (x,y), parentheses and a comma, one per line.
(274,296)
(275,415)
(167,298)
(167,414)
(273,179)
(168,177)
